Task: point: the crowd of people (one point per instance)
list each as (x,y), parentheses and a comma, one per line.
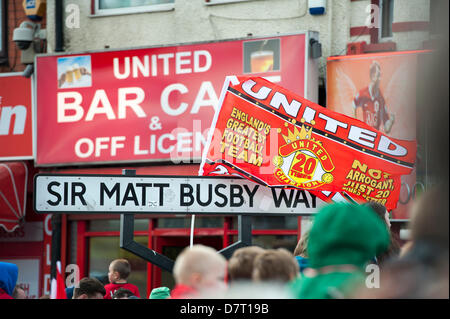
(349,252)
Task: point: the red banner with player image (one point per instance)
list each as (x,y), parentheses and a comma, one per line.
(274,137)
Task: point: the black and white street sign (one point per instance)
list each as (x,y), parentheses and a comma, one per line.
(166,195)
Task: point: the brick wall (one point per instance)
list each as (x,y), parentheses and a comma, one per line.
(15,15)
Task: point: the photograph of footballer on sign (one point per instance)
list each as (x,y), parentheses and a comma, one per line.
(380,90)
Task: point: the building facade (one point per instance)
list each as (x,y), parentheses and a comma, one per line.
(78,27)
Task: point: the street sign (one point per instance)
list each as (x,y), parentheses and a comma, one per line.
(121,194)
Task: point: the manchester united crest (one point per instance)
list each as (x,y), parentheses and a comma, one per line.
(302,162)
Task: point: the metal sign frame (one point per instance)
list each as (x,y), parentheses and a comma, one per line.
(128,243)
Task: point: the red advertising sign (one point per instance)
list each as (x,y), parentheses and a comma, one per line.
(274,137)
(16,131)
(149,104)
(379,89)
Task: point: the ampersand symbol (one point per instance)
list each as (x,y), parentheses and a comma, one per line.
(155,124)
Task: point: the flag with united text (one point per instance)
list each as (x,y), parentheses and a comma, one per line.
(274,137)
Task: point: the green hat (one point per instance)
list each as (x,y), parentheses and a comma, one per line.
(160,293)
(344,233)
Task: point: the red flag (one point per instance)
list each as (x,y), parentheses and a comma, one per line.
(58,290)
(269,135)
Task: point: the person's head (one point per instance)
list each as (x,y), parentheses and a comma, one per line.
(89,288)
(275,265)
(375,73)
(240,265)
(122,293)
(200,268)
(394,247)
(119,270)
(346,234)
(301,248)
(381,211)
(19,293)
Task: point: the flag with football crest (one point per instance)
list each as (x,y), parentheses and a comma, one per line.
(276,138)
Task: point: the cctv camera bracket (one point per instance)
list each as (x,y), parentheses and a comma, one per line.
(27,56)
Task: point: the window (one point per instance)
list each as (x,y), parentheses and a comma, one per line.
(185,222)
(3,19)
(271,222)
(115,7)
(114,225)
(387,17)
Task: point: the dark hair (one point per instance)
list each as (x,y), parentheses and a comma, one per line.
(240,265)
(89,286)
(379,209)
(275,265)
(429,220)
(394,247)
(122,292)
(122,266)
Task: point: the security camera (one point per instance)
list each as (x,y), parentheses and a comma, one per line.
(24,34)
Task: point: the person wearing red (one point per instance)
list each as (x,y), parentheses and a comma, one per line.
(119,270)
(369,105)
(8,279)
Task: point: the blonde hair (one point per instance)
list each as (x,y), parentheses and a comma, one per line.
(198,259)
(301,248)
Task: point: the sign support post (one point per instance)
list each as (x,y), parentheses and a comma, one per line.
(127,238)
(128,243)
(244,236)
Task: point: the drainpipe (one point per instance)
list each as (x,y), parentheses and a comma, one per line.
(59,26)
(56,244)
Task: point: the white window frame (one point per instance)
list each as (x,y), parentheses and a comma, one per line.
(213,2)
(132,10)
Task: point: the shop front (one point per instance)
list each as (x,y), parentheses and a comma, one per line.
(92,241)
(149,110)
(24,235)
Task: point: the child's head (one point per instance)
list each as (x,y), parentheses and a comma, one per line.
(240,265)
(200,268)
(119,269)
(275,265)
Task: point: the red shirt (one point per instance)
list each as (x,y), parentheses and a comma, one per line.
(111,289)
(183,292)
(4,295)
(373,106)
